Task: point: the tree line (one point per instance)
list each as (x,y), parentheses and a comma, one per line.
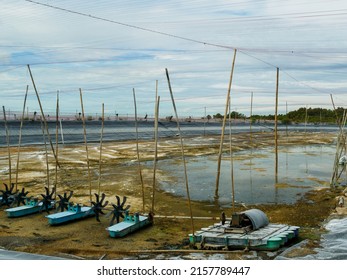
(301,115)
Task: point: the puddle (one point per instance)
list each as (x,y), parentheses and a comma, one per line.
(300,169)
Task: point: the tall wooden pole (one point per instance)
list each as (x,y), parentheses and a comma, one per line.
(138,154)
(231,162)
(86,146)
(276,132)
(182,151)
(20,135)
(46,151)
(8,147)
(43,115)
(56,141)
(287,120)
(250,123)
(101,140)
(156,117)
(205,117)
(216,195)
(341,141)
(306,119)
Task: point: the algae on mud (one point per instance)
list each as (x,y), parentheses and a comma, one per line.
(89,239)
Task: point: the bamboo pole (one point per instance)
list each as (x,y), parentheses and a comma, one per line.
(205,117)
(276,132)
(231,162)
(46,151)
(188,217)
(156,117)
(306,120)
(56,143)
(61,130)
(287,120)
(250,123)
(8,147)
(223,127)
(100,155)
(341,147)
(43,115)
(138,154)
(341,141)
(20,135)
(86,146)
(60,125)
(182,149)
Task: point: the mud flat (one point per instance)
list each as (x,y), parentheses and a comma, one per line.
(168,237)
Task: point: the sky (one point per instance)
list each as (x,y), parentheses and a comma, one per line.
(110,49)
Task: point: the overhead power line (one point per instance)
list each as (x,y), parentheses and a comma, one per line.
(245,51)
(131,25)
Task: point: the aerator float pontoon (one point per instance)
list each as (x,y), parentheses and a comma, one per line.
(75,212)
(31,205)
(130,223)
(246,230)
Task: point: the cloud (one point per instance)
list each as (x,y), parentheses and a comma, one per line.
(131,48)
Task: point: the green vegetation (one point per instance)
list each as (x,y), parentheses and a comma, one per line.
(301,115)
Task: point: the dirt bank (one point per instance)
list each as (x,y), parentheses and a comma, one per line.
(120,176)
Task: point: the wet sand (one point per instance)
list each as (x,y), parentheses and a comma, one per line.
(168,237)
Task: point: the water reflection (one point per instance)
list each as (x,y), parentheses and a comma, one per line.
(300,169)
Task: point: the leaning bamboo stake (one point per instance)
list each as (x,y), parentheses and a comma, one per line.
(138,154)
(250,123)
(182,149)
(287,120)
(100,155)
(20,135)
(46,152)
(340,150)
(276,132)
(8,147)
(61,131)
(156,112)
(216,195)
(43,115)
(231,162)
(86,146)
(56,143)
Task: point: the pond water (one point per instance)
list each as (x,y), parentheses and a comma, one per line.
(300,169)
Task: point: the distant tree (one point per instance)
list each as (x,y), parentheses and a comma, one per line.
(236,115)
(218,116)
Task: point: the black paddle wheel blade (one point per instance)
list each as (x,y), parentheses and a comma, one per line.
(98,206)
(118,210)
(63,202)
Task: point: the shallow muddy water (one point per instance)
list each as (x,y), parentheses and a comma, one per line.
(300,168)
